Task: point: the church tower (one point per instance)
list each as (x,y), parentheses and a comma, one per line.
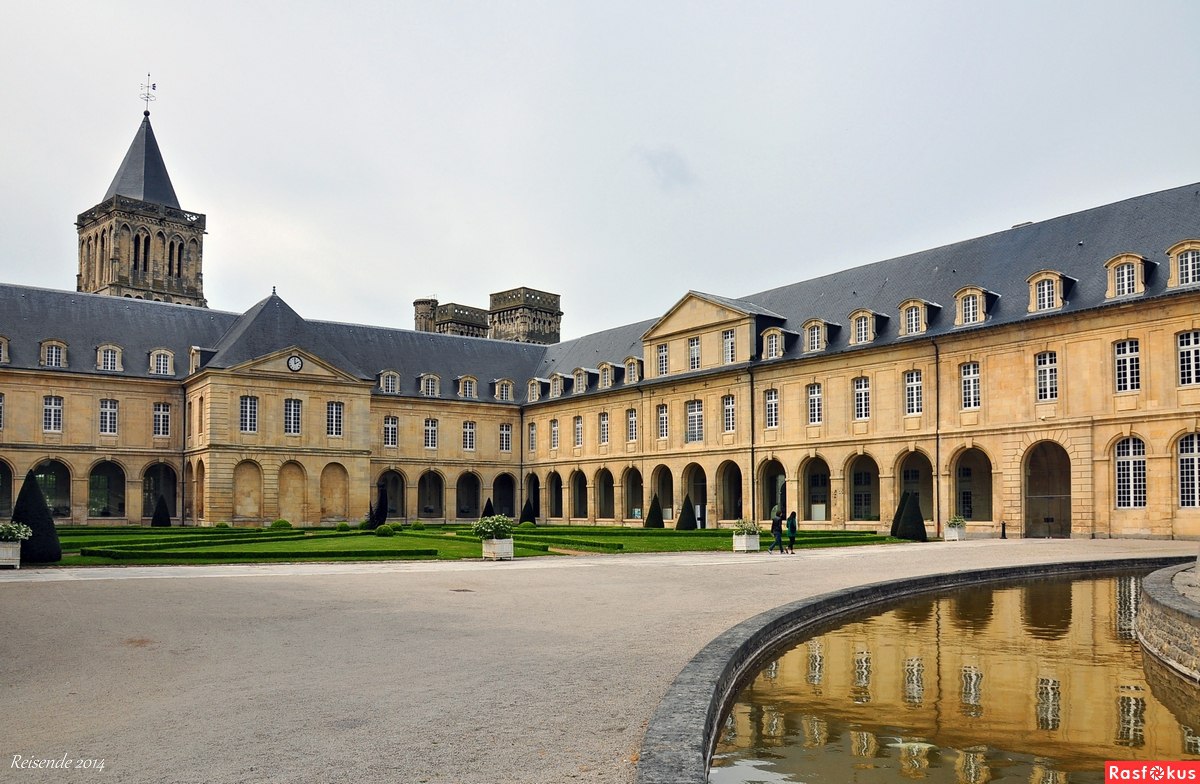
(138,242)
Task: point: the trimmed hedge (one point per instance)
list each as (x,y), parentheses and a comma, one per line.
(563,540)
(258,555)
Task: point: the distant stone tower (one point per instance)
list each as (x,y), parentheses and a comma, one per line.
(525,315)
(423,310)
(138,242)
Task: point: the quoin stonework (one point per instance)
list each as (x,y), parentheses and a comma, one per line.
(1046,377)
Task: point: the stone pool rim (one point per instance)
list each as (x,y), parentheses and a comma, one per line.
(681,735)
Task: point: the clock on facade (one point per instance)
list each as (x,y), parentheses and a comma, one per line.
(295,363)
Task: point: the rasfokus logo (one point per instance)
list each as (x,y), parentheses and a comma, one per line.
(1153,770)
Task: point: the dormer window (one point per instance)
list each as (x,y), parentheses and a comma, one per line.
(534,391)
(913,318)
(162,363)
(631,371)
(773,348)
(580,382)
(1045,291)
(556,382)
(814,336)
(1185,263)
(3,351)
(467,387)
(970,306)
(389,382)
(1126,275)
(54,354)
(504,390)
(862,324)
(430,385)
(605,376)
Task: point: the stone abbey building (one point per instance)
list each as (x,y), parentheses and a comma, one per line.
(1046,377)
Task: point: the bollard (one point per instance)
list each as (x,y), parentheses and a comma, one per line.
(1003,531)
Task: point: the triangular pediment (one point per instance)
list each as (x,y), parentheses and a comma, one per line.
(695,311)
(294,363)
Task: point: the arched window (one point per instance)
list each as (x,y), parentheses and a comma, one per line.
(389,382)
(1131,473)
(1189,470)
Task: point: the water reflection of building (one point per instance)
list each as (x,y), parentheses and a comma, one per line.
(1048,670)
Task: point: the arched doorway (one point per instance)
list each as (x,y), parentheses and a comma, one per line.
(579,500)
(1048,491)
(431,494)
(393,485)
(467,492)
(106,490)
(916,476)
(632,484)
(6,491)
(335,492)
(55,480)
(729,501)
(247,491)
(864,489)
(973,485)
(159,480)
(695,483)
(664,487)
(554,494)
(815,487)
(774,488)
(533,491)
(504,495)
(605,502)
(291,492)
(199,494)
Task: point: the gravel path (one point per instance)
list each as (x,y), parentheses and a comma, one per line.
(540,670)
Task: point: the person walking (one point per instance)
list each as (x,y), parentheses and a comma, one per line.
(776,530)
(791,528)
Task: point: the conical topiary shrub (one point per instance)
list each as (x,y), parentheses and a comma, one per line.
(654,517)
(488,509)
(527,515)
(687,516)
(899,512)
(379,511)
(32,510)
(161,516)
(912,522)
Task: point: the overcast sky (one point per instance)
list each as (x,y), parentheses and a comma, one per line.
(360,155)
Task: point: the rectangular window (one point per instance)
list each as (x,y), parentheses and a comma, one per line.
(162,363)
(578,431)
(467,387)
(970,385)
(693,353)
(862,398)
(108,417)
(554,434)
(334,412)
(429,386)
(814,337)
(814,404)
(862,330)
(772,412)
(108,359)
(291,417)
(1125,278)
(504,391)
(54,356)
(663,359)
(389,383)
(162,419)
(728,347)
(695,421)
(603,427)
(531,437)
(1128,369)
(52,414)
(391,431)
(631,425)
(664,423)
(912,320)
(1189,358)
(431,433)
(773,346)
(1047,376)
(729,413)
(506,437)
(468,438)
(248,414)
(913,397)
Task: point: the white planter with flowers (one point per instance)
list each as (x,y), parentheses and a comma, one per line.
(495,532)
(11,536)
(955,528)
(745,537)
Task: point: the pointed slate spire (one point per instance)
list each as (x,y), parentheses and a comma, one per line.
(143,175)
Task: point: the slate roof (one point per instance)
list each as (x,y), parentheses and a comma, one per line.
(143,174)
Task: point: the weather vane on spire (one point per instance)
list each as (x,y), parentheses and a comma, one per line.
(148,92)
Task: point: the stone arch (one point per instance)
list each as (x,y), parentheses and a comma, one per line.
(6,490)
(54,477)
(431,495)
(554,495)
(729,491)
(579,499)
(106,490)
(533,491)
(1046,480)
(159,479)
(772,479)
(695,483)
(914,474)
(466,492)
(814,490)
(605,495)
(971,471)
(862,489)
(631,484)
(663,484)
(293,492)
(504,495)
(247,491)
(396,488)
(335,492)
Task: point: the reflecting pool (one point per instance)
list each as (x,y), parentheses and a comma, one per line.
(1039,682)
